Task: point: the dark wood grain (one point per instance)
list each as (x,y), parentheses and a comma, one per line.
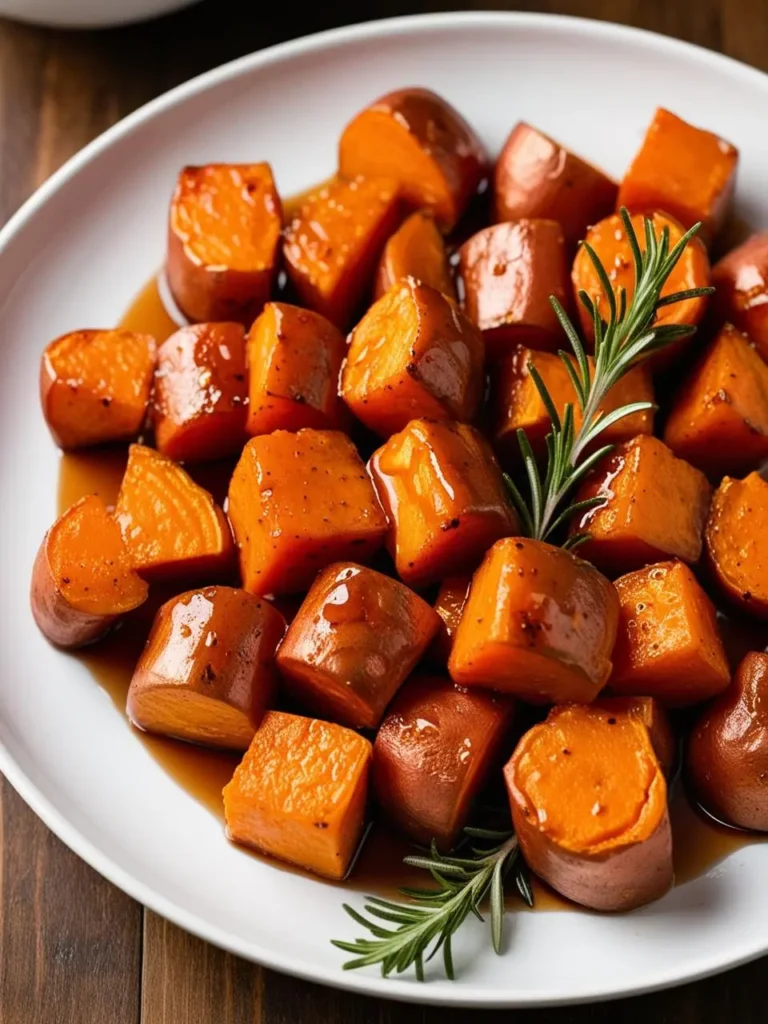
(73,948)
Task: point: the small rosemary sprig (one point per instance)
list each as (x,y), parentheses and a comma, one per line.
(409,934)
(626,338)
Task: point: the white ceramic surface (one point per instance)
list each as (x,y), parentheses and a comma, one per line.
(75,256)
(87,13)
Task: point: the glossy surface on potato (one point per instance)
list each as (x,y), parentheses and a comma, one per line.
(737,542)
(449,605)
(741,297)
(416,250)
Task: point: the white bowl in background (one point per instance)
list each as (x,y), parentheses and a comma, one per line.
(87,13)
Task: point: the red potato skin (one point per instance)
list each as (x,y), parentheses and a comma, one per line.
(57,620)
(741,290)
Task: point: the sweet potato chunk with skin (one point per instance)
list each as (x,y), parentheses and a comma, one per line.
(95,386)
(668,645)
(537,177)
(737,542)
(332,245)
(655,508)
(516,402)
(538,623)
(656,720)
(298,502)
(719,421)
(589,807)
(416,137)
(510,271)
(300,792)
(171,526)
(414,353)
(200,393)
(449,605)
(433,754)
(416,250)
(207,673)
(355,639)
(223,239)
(741,290)
(445,499)
(82,579)
(686,171)
(294,360)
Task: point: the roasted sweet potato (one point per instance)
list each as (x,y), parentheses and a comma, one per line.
(354,641)
(537,177)
(171,526)
(737,542)
(223,237)
(444,496)
(200,393)
(416,250)
(449,605)
(413,354)
(538,623)
(668,645)
(727,757)
(686,171)
(95,386)
(416,137)
(294,360)
(433,754)
(298,502)
(741,290)
(82,580)
(510,271)
(332,245)
(653,716)
(655,508)
(589,807)
(299,794)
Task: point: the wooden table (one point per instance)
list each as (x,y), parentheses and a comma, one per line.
(75,950)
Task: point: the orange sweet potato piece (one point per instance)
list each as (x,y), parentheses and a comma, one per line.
(655,508)
(537,177)
(449,605)
(443,493)
(294,360)
(200,393)
(332,245)
(207,673)
(538,623)
(354,641)
(719,421)
(223,237)
(298,502)
(686,171)
(433,754)
(737,542)
(416,250)
(171,526)
(95,386)
(299,794)
(656,720)
(589,806)
(416,137)
(509,273)
(741,289)
(413,354)
(668,645)
(82,580)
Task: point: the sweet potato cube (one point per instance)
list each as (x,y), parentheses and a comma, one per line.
(449,605)
(719,422)
(433,754)
(683,170)
(655,507)
(223,238)
(668,645)
(355,639)
(171,526)
(737,542)
(294,359)
(207,673)
(655,719)
(445,499)
(741,290)
(200,393)
(299,794)
(539,623)
(413,354)
(509,273)
(95,386)
(332,245)
(416,250)
(298,502)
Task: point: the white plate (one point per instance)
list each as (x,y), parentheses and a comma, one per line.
(77,253)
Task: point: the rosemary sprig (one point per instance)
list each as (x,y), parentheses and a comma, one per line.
(416,931)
